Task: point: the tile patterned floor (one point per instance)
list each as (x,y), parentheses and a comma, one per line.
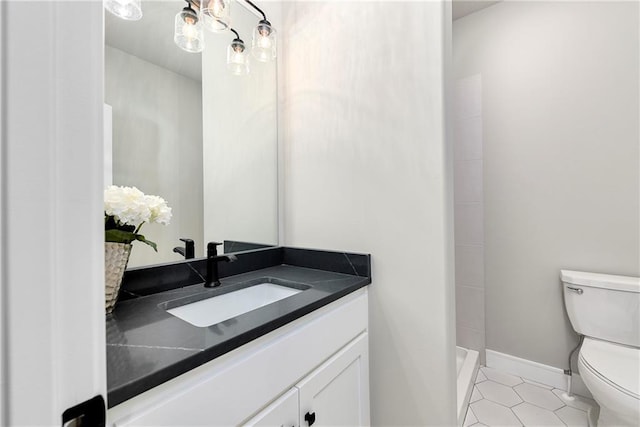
(500,399)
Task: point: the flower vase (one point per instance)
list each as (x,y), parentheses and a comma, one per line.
(116,257)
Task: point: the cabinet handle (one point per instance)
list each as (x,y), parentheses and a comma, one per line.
(310,418)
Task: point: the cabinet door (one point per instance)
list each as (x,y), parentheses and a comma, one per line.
(337,393)
(281,413)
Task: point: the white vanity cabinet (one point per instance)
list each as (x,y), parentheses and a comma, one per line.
(317,364)
(334,394)
(284,412)
(337,393)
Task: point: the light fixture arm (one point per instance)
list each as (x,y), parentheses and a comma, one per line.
(264,17)
(236,33)
(189,8)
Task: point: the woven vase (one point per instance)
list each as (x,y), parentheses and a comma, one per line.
(116,257)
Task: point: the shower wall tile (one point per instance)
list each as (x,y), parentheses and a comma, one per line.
(469,224)
(467,136)
(468,181)
(469,214)
(469,261)
(470,307)
(468,97)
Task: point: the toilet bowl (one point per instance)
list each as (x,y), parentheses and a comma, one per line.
(606,310)
(611,372)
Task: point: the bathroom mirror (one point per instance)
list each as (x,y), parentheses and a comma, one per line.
(185,129)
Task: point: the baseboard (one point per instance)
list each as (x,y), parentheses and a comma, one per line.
(544,374)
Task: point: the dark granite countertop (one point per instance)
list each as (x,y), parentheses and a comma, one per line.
(147,346)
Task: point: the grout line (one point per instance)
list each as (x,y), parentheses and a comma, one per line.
(498,403)
(467,160)
(562,421)
(517,417)
(572,407)
(469,203)
(461,285)
(478,390)
(478,286)
(467,414)
(521,397)
(538,406)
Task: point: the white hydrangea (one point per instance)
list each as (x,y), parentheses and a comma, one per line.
(160,212)
(130,206)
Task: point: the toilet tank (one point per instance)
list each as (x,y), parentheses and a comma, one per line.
(603,306)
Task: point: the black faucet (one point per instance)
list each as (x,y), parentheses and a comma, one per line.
(212,279)
(189,250)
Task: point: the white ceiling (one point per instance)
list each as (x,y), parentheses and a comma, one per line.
(465,7)
(151,38)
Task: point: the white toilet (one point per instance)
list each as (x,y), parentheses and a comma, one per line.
(606,310)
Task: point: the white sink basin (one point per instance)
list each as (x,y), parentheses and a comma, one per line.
(226,306)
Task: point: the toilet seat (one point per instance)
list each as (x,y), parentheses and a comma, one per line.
(615,364)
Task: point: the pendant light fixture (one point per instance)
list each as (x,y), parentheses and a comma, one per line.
(213,15)
(237,58)
(131,10)
(216,14)
(263,44)
(188,30)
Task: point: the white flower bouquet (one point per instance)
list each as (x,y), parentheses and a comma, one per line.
(126,209)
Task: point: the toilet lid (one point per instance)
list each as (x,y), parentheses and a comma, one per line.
(617,364)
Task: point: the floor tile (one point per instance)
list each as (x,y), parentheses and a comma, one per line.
(475,395)
(548,387)
(532,415)
(470,419)
(499,393)
(492,414)
(573,417)
(493,403)
(538,396)
(578,402)
(501,377)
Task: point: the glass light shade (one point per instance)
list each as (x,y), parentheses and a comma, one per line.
(188,31)
(237,58)
(216,14)
(131,10)
(263,45)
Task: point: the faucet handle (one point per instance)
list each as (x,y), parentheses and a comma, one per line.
(212,249)
(189,248)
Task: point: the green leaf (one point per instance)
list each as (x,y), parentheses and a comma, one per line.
(141,238)
(119,236)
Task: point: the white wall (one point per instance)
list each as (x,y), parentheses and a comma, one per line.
(157,147)
(561,158)
(240,139)
(367,169)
